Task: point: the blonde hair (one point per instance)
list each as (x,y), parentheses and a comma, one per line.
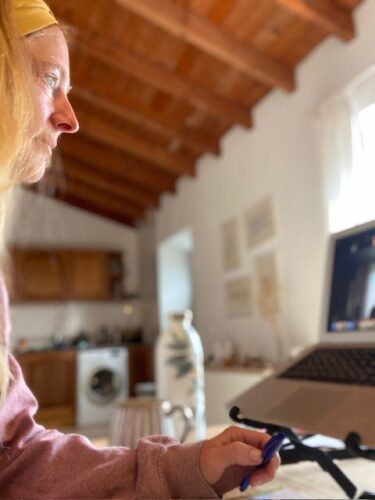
(17,114)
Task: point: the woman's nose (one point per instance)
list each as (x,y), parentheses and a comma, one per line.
(64,118)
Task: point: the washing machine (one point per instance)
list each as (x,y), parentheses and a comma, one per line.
(102,381)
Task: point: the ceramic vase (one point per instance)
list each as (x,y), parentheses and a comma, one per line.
(179,367)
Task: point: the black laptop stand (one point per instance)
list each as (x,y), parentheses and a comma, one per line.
(297,451)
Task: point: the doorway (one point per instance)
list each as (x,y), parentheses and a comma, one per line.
(175,281)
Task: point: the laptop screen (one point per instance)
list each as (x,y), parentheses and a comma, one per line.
(352,291)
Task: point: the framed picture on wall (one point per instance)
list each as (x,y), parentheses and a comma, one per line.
(267,284)
(230,245)
(238,296)
(259,223)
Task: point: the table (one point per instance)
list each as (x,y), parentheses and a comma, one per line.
(304,480)
(307,480)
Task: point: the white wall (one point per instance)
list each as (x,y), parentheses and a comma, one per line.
(147,277)
(39,221)
(277,158)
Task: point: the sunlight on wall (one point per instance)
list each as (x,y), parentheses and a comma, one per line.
(363,179)
(366,120)
(355,186)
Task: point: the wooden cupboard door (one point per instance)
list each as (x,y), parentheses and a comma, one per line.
(89,278)
(39,275)
(62,274)
(141,365)
(51,377)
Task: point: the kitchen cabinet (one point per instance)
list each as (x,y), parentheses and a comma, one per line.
(51,377)
(65,274)
(88,275)
(38,275)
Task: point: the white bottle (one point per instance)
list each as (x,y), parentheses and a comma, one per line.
(179,364)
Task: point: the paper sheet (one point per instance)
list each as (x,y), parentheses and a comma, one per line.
(282,493)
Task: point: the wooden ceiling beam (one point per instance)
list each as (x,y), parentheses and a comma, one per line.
(186,25)
(103,199)
(95,128)
(168,81)
(324,14)
(112,161)
(93,208)
(96,178)
(148,121)
(64,185)
(71,200)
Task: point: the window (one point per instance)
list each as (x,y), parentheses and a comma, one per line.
(345,129)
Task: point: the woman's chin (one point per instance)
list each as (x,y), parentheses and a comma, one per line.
(34,175)
(33,180)
(36,169)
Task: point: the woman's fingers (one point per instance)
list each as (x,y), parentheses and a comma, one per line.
(239,453)
(266,473)
(253,438)
(226,458)
(215,460)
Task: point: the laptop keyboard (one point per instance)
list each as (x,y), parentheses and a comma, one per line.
(342,366)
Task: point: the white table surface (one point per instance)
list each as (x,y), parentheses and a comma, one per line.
(308,480)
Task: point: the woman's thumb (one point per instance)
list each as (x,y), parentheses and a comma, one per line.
(238,453)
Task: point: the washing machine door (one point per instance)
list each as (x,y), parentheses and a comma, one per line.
(103,385)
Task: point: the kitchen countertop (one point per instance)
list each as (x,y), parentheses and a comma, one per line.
(46,348)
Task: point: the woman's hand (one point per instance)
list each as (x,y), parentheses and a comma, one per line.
(225,460)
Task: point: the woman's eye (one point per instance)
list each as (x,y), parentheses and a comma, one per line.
(51,81)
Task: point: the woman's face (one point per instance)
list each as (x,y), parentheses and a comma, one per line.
(55,115)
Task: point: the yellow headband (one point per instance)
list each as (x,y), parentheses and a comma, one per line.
(32,15)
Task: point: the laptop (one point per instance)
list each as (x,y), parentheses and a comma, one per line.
(330,388)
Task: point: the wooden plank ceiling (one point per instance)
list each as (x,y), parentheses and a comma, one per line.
(156,83)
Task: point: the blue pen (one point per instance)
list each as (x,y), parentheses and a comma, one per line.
(269,451)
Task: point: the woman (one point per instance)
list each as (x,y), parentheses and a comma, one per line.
(40,463)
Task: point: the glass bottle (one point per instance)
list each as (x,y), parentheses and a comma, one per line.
(179,367)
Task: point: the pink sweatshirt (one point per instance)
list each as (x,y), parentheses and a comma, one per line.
(36,463)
